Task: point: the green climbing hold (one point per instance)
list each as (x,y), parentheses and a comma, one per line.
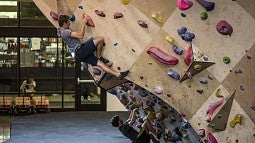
(211,125)
(197,67)
(219,116)
(204,15)
(226,59)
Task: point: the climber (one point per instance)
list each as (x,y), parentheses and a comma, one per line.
(84,51)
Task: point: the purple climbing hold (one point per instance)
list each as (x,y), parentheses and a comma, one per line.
(241,87)
(173,74)
(189,75)
(205,58)
(182,30)
(177,50)
(209,6)
(188,36)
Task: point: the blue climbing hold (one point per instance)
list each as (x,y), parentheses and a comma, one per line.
(173,74)
(177,50)
(72,17)
(182,30)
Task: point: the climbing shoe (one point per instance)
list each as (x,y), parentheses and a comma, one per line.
(103,60)
(123,74)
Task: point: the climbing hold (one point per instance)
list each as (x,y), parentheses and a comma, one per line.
(248,57)
(203,81)
(90,21)
(219,116)
(200,91)
(226,59)
(168,95)
(238,71)
(158,90)
(184,4)
(205,58)
(142,23)
(188,56)
(133,50)
(241,87)
(141,77)
(115,44)
(208,119)
(72,17)
(188,36)
(253,132)
(150,63)
(100,13)
(213,106)
(170,40)
(183,14)
(177,50)
(117,15)
(209,6)
(199,54)
(201,133)
(204,15)
(211,125)
(119,68)
(189,75)
(158,18)
(54,15)
(197,67)
(223,27)
(173,74)
(182,30)
(125,1)
(217,93)
(80,7)
(237,119)
(162,56)
(211,138)
(210,77)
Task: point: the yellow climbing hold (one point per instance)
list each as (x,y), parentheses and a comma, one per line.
(217,94)
(125,1)
(158,18)
(170,40)
(238,119)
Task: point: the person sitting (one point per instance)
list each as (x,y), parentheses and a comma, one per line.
(143,136)
(28,86)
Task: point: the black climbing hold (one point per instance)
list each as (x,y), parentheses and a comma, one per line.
(183,14)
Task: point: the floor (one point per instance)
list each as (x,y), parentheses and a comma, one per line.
(66,127)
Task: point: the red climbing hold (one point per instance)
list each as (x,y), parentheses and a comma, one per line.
(223,27)
(117,15)
(54,15)
(188,56)
(100,13)
(162,56)
(184,4)
(142,23)
(90,21)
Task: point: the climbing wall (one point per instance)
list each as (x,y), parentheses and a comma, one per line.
(127,43)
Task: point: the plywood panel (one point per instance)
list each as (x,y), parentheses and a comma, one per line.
(125,32)
(246,97)
(209,40)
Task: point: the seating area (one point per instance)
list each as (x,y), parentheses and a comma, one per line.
(15,105)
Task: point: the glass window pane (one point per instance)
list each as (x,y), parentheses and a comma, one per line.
(8,14)
(8,52)
(31,16)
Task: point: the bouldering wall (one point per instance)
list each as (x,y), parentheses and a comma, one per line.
(127,43)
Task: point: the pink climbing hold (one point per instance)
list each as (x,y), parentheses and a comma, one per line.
(223,27)
(54,15)
(100,13)
(142,23)
(214,106)
(211,138)
(188,56)
(117,15)
(184,4)
(162,56)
